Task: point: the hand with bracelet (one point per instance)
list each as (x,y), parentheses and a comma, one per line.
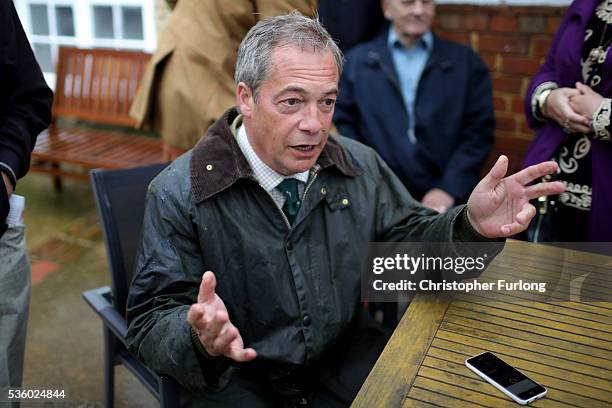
(586,102)
(557,106)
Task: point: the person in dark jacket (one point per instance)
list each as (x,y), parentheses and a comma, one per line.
(25,110)
(351,22)
(247,284)
(423,103)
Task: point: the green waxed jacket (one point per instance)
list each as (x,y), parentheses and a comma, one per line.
(291,292)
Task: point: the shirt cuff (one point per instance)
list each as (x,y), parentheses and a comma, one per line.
(601,120)
(6,169)
(535,99)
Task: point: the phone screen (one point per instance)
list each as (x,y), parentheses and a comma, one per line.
(507,376)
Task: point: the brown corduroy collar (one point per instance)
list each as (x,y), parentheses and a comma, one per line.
(217,161)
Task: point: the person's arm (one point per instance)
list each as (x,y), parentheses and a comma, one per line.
(25,103)
(463,169)
(168,272)
(546,99)
(401,218)
(545,80)
(498,207)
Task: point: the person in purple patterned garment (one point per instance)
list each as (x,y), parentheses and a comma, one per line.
(568,104)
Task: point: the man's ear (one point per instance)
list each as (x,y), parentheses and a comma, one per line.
(384,4)
(244,98)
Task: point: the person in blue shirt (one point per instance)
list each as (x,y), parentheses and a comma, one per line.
(423,103)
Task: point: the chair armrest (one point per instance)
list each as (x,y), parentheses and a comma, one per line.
(98,300)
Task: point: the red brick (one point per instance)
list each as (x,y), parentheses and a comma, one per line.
(500,104)
(532,24)
(462,38)
(540,46)
(553,24)
(503,23)
(539,10)
(523,127)
(504,44)
(457,9)
(490,60)
(505,122)
(525,84)
(518,105)
(503,134)
(507,84)
(465,22)
(520,66)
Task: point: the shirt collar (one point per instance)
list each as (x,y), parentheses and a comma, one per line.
(426,40)
(266,176)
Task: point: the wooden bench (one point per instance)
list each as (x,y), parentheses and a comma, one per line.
(94,86)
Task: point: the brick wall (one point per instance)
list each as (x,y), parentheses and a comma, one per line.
(513,42)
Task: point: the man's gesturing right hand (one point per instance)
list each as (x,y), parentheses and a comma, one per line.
(210,320)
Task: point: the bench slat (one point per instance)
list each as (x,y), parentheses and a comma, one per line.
(96,86)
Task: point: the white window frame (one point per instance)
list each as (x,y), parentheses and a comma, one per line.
(84,26)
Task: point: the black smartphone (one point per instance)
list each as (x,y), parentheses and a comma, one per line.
(506,378)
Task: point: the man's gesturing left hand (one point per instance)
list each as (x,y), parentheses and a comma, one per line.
(499,206)
(210,320)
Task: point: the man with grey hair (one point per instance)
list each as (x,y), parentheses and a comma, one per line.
(274,210)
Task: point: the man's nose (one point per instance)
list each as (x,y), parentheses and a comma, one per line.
(311,121)
(417,7)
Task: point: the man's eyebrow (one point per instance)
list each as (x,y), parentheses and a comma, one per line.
(302,91)
(333,91)
(291,88)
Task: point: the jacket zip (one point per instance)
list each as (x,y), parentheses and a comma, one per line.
(277,207)
(315,173)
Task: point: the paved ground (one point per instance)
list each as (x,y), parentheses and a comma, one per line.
(64,346)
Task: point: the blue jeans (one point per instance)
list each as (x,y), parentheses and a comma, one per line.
(15,278)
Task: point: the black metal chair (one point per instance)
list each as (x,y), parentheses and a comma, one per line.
(120,198)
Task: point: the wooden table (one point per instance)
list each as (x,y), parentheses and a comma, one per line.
(566,346)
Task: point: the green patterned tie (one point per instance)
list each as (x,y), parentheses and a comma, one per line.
(289,188)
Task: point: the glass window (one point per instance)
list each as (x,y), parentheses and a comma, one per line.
(103,22)
(43,56)
(65,21)
(40,20)
(132,23)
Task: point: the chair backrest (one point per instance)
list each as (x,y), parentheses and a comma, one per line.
(98,85)
(120,198)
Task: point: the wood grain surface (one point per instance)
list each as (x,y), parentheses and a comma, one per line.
(564,345)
